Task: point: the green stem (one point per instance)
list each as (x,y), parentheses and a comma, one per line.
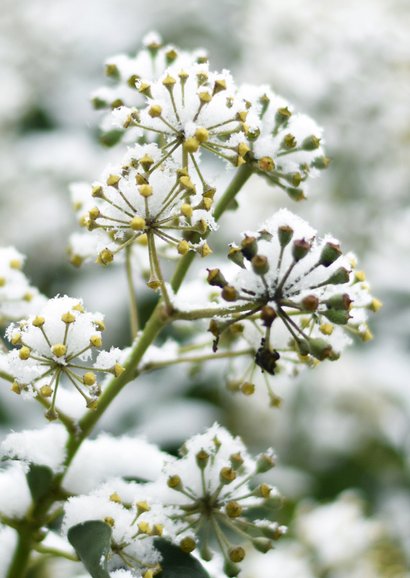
(21,558)
(197,359)
(132,295)
(206,313)
(157,321)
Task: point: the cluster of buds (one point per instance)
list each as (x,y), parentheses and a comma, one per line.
(55,346)
(211,487)
(124,71)
(141,200)
(304,295)
(286,147)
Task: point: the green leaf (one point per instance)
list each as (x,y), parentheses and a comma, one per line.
(39,479)
(92,540)
(177,564)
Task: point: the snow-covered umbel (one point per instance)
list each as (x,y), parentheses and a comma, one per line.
(302,297)
(149,63)
(178,101)
(286,146)
(17,297)
(213,485)
(142,198)
(57,345)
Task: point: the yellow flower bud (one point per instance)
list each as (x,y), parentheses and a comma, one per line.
(183,247)
(137,223)
(46,391)
(59,349)
(96,340)
(145,190)
(38,321)
(118,369)
(24,353)
(113,180)
(201,134)
(155,110)
(105,257)
(68,317)
(187,210)
(116,498)
(191,144)
(89,378)
(205,250)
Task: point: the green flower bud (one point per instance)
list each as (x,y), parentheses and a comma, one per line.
(262,545)
(264,463)
(337,316)
(330,253)
(320,349)
(340,301)
(236,256)
(339,277)
(300,249)
(282,115)
(233,509)
(249,247)
(260,265)
(229,293)
(227,475)
(231,569)
(321,163)
(285,234)
(311,143)
(236,554)
(216,278)
(202,458)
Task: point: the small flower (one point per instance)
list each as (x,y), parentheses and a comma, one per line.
(56,345)
(211,486)
(286,147)
(17,297)
(304,297)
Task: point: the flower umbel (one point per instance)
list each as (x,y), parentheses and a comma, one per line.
(301,294)
(57,345)
(213,486)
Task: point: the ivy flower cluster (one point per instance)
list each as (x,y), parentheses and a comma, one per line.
(287,299)
(17,297)
(301,296)
(135,203)
(205,498)
(57,345)
(183,112)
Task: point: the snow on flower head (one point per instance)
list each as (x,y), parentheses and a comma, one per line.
(56,345)
(211,485)
(149,63)
(301,295)
(139,200)
(287,146)
(17,297)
